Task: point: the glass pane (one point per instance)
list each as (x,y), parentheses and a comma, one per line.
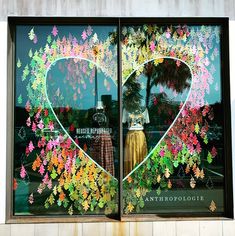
(66,113)
(172,123)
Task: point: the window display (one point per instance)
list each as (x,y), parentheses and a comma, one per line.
(137,105)
(66,111)
(175,72)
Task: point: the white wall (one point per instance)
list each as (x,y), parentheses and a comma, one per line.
(3,107)
(3,80)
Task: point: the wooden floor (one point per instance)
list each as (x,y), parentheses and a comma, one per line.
(183,228)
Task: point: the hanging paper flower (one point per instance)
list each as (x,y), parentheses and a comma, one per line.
(23,172)
(54,31)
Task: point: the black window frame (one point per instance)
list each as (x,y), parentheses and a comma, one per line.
(119,21)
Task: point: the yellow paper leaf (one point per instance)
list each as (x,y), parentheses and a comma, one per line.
(212,206)
(84,193)
(158,178)
(130,207)
(192,183)
(138,193)
(169,184)
(167,173)
(55,190)
(34,85)
(202,175)
(187,169)
(197,172)
(85,205)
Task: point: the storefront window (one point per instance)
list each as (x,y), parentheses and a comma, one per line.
(172,99)
(66,110)
(147,96)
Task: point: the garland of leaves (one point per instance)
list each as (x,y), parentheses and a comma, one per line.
(75,182)
(182,145)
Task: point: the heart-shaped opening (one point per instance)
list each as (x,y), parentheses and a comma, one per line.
(84,102)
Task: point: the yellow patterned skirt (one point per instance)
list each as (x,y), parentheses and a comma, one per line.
(135,149)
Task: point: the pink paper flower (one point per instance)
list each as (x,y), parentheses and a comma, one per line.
(152,46)
(49,145)
(51,126)
(162,153)
(35,39)
(34,127)
(22,172)
(41,169)
(54,31)
(40,125)
(31,146)
(46,178)
(28,122)
(84,35)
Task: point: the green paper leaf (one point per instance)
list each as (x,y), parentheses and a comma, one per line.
(46,205)
(18,64)
(78,161)
(112,191)
(205,140)
(19,99)
(30,53)
(158,191)
(53,174)
(65,203)
(54,45)
(71,188)
(209,158)
(190,161)
(31,34)
(25,72)
(176,164)
(184,150)
(101,204)
(49,38)
(32,63)
(167,162)
(141,202)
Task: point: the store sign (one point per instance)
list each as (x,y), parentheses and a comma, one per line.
(183,200)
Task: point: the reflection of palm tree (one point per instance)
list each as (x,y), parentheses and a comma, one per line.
(167,107)
(131,96)
(168,74)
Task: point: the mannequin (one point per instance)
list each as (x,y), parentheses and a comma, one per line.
(135,143)
(102,148)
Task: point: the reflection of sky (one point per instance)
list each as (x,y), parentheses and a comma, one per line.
(215,89)
(86,96)
(23,46)
(171,95)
